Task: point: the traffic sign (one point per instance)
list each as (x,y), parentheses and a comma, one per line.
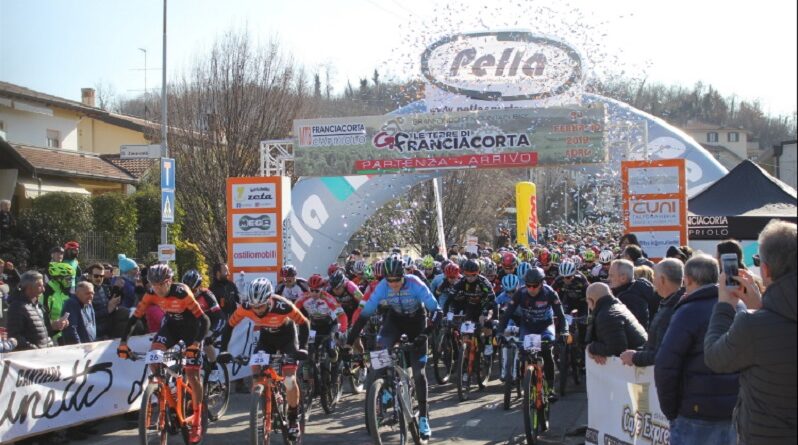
(168,206)
(166,252)
(167,174)
(139,151)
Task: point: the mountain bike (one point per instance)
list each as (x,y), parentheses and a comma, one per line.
(471,365)
(391,406)
(166,403)
(571,356)
(535,405)
(216,387)
(511,365)
(444,345)
(327,375)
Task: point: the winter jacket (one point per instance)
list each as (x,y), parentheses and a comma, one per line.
(54,299)
(762,346)
(656,331)
(685,385)
(613,329)
(638,296)
(78,330)
(227,295)
(28,324)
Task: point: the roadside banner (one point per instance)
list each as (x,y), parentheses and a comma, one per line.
(51,389)
(526,213)
(622,405)
(455,140)
(655,204)
(256,212)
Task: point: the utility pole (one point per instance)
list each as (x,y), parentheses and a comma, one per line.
(144,50)
(164,148)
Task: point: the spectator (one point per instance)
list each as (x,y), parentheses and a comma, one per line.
(613,328)
(730,246)
(104,304)
(7,221)
(56,292)
(668,275)
(225,290)
(57,254)
(761,345)
(8,274)
(644,272)
(628,239)
(82,321)
(129,273)
(697,402)
(71,251)
(682,253)
(637,295)
(634,254)
(6,344)
(27,323)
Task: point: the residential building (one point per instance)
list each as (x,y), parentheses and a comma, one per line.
(780,161)
(729,145)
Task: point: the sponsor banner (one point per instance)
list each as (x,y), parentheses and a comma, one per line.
(254,225)
(447,162)
(254,196)
(526,213)
(724,227)
(655,243)
(556,135)
(254,255)
(653,181)
(654,212)
(54,388)
(623,406)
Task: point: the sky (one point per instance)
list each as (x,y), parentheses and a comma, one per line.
(743,48)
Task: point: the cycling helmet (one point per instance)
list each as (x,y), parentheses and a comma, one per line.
(337,278)
(368,272)
(544,257)
(394,267)
(259,291)
(359,267)
(471,267)
(567,268)
(56,270)
(158,273)
(316,281)
(510,282)
(378,270)
(427,262)
(192,279)
(520,271)
(71,245)
(555,256)
(589,255)
(288,271)
(509,260)
(490,269)
(605,256)
(452,270)
(534,275)
(332,268)
(408,262)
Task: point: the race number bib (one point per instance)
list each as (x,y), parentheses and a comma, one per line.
(380,359)
(259,359)
(532,342)
(312,336)
(153,357)
(450,316)
(467,327)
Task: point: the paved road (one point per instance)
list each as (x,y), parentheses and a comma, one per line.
(481,420)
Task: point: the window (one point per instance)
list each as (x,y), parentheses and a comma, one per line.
(733,137)
(712,136)
(53,139)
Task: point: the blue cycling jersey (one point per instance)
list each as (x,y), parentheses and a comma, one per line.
(537,312)
(411,297)
(436,282)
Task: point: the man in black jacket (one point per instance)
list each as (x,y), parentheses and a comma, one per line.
(27,322)
(613,328)
(637,295)
(668,275)
(761,345)
(225,290)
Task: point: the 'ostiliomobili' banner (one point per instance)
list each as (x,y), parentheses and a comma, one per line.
(50,389)
(526,209)
(622,405)
(456,140)
(655,203)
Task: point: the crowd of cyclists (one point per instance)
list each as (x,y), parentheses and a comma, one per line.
(526,288)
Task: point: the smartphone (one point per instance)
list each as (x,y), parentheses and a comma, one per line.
(729,263)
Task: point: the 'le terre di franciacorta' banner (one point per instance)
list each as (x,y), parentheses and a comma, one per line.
(51,389)
(456,140)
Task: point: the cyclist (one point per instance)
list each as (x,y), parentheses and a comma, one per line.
(490,272)
(358,267)
(601,272)
(324,313)
(210,306)
(549,266)
(345,291)
(411,269)
(571,286)
(408,301)
(588,262)
(429,268)
(473,295)
(291,287)
(540,308)
(277,318)
(451,274)
(183,320)
(56,292)
(508,262)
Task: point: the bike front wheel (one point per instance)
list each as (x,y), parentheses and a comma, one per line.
(533,407)
(442,358)
(385,422)
(154,419)
(216,385)
(463,376)
(260,416)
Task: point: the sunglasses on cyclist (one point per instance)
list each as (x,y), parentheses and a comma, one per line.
(471,274)
(393,279)
(314,290)
(533,285)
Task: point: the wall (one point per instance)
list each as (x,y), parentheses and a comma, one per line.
(100,137)
(30,128)
(787,164)
(740,148)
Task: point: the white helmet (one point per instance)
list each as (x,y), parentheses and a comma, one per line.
(605,256)
(259,291)
(567,268)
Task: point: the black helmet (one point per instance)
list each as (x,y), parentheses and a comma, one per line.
(394,266)
(534,275)
(471,266)
(192,279)
(337,278)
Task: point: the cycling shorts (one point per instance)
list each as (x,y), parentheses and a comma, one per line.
(173,330)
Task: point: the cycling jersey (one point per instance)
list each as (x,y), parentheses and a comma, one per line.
(436,281)
(443,291)
(600,274)
(573,293)
(180,308)
(413,297)
(472,298)
(349,298)
(276,325)
(537,312)
(210,306)
(293,292)
(366,295)
(323,312)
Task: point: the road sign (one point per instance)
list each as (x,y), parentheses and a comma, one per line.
(166,252)
(139,151)
(167,174)
(168,206)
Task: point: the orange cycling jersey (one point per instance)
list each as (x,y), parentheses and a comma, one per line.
(175,304)
(281,312)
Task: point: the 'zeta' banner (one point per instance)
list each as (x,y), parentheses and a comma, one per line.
(458,140)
